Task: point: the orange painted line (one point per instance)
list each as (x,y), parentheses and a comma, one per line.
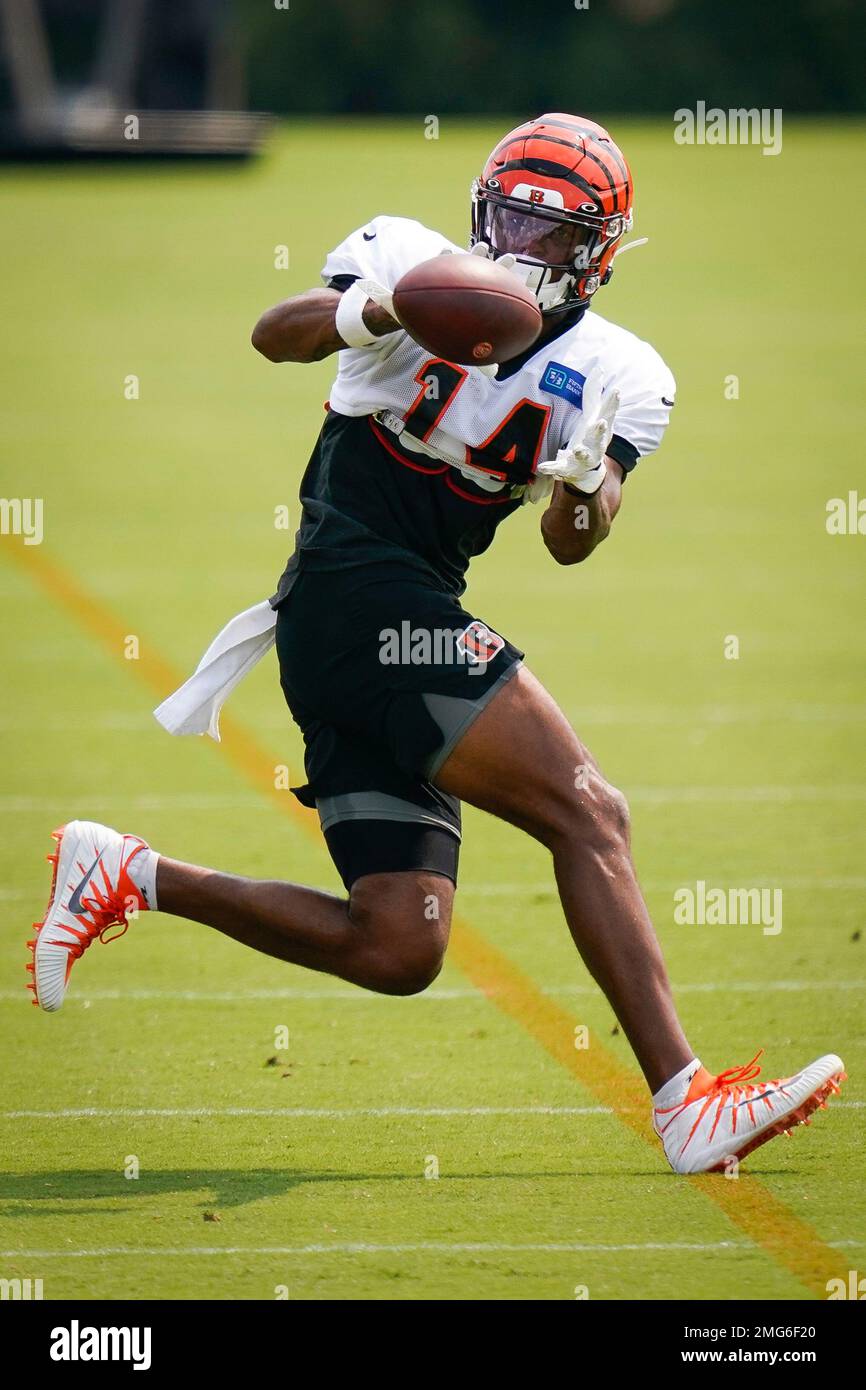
(746,1201)
(160,675)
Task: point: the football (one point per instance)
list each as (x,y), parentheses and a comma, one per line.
(467,310)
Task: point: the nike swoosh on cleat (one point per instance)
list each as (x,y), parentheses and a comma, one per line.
(765,1095)
(75,904)
(369,236)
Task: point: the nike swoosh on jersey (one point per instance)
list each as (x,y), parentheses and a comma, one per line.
(369,236)
(75,904)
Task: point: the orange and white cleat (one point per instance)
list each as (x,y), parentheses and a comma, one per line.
(92,890)
(725,1117)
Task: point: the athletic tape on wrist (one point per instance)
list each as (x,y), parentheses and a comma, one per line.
(349,320)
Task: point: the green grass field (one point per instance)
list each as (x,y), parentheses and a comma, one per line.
(742,772)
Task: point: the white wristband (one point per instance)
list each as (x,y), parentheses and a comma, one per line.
(349,321)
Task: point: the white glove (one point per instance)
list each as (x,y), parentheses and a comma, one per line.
(481,248)
(581,463)
(539,490)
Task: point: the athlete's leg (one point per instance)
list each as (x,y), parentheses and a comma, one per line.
(521,760)
(389,936)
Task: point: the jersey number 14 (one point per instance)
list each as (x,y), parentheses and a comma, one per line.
(509,453)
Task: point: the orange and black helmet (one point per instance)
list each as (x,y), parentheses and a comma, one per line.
(557,194)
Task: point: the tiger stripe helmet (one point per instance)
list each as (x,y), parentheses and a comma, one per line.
(557,194)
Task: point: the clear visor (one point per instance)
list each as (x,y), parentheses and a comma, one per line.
(544,239)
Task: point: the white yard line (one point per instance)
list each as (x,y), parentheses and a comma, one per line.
(53,807)
(13,804)
(130,721)
(691,715)
(365,1248)
(96,721)
(419,1247)
(547,886)
(252,996)
(721,793)
(301,1113)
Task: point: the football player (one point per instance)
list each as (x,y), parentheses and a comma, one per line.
(408,701)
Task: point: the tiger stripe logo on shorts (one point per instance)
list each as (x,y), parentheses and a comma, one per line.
(479,643)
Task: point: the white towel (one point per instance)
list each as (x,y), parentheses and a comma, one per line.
(195,707)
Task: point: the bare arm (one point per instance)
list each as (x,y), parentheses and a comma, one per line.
(573,525)
(301,329)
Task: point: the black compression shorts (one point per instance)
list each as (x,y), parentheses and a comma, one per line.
(384,672)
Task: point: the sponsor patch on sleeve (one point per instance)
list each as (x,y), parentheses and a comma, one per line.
(564,381)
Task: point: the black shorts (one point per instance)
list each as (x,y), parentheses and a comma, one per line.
(384,672)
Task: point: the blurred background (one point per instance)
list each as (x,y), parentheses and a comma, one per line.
(72,67)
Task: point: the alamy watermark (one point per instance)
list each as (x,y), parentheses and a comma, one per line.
(729,907)
(22,516)
(846,516)
(84,1343)
(473,646)
(22,1290)
(736,126)
(854,1287)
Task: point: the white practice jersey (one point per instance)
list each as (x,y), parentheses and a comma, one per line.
(533,405)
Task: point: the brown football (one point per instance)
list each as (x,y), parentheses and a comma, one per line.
(467,309)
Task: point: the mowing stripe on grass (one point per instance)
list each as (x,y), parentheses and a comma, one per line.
(747,1202)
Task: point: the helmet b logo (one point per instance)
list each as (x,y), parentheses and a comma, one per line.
(536,195)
